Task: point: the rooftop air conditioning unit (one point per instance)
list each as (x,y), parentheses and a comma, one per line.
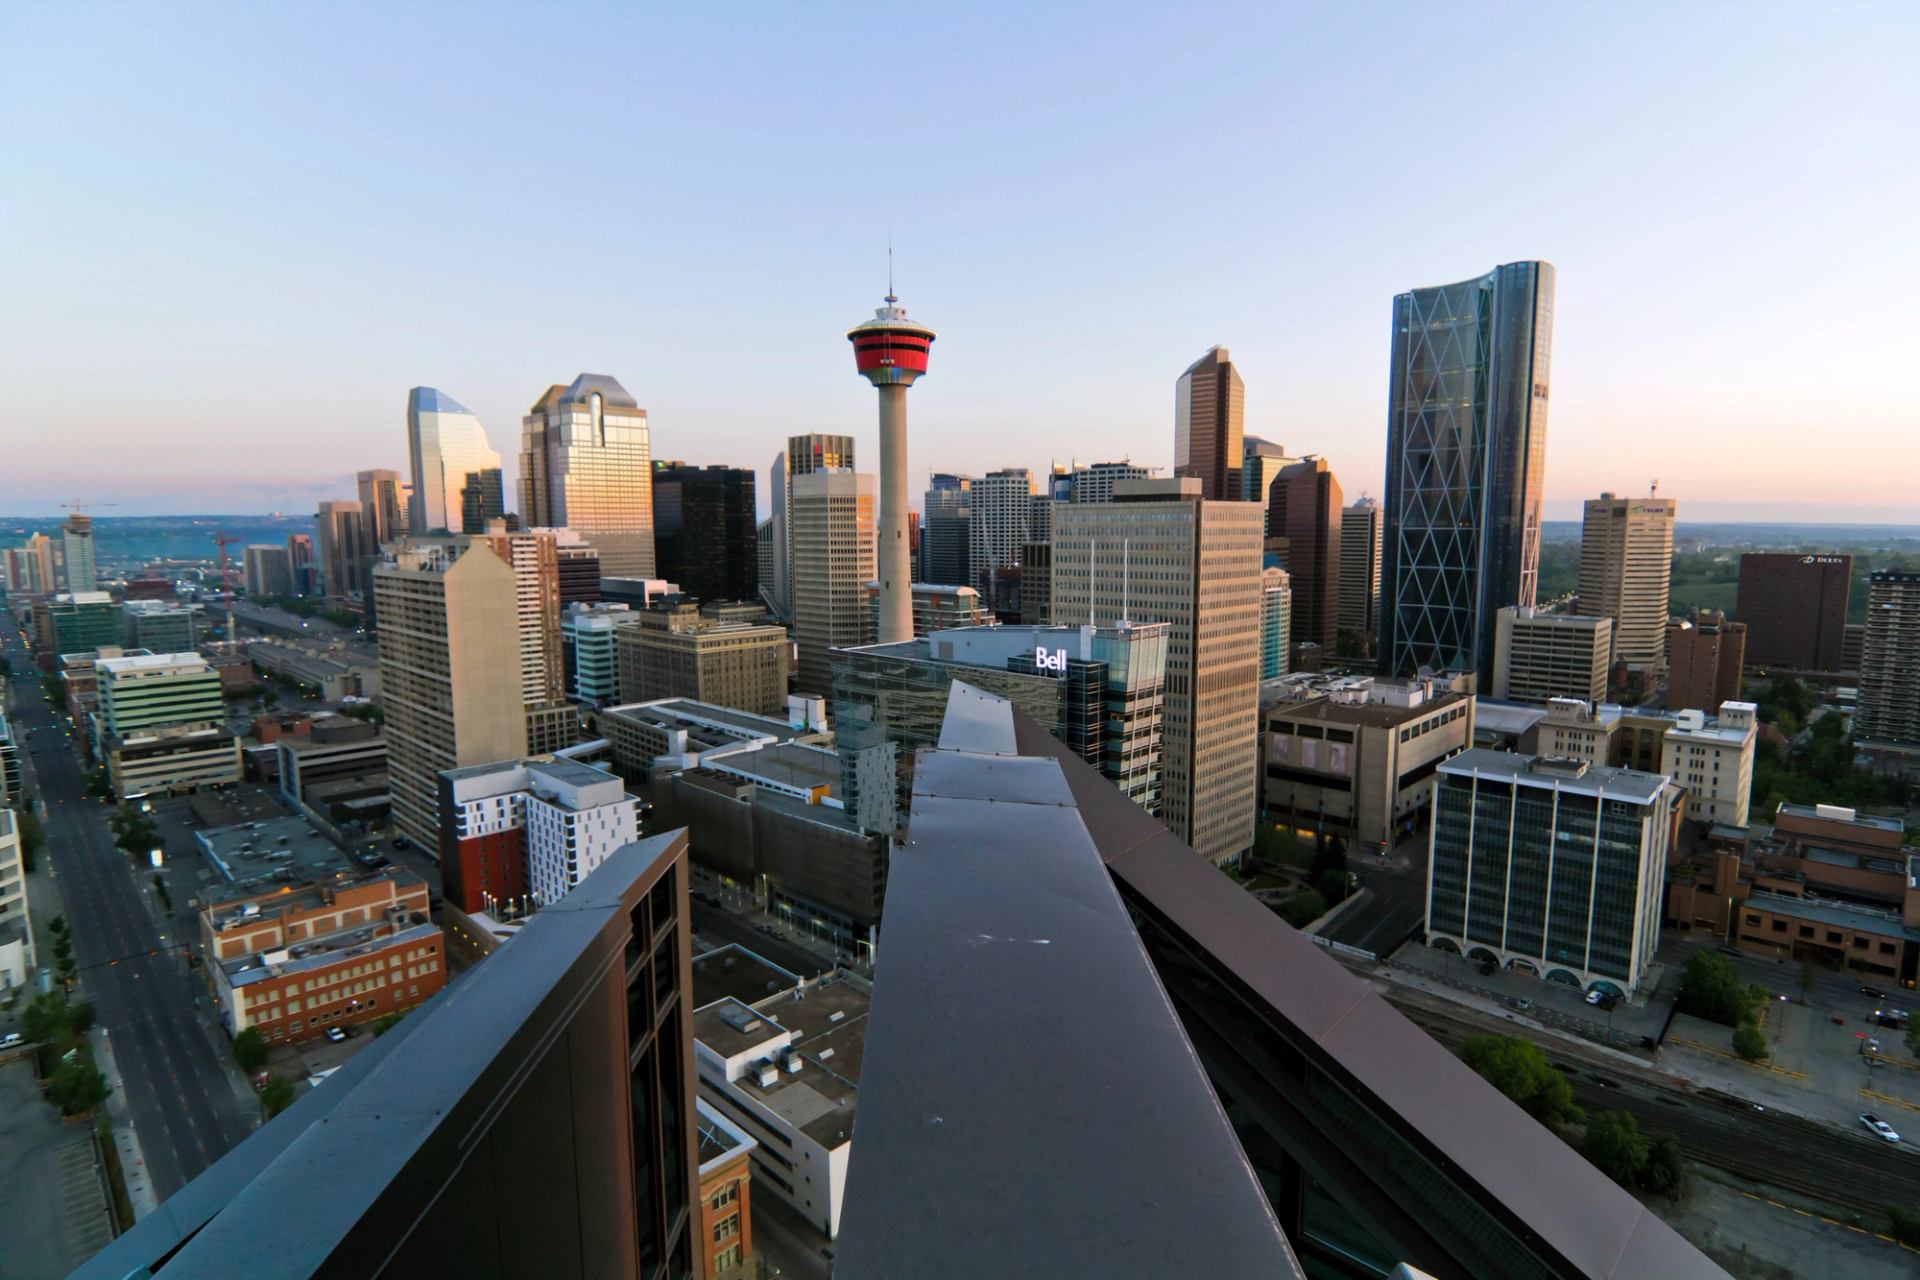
(766,1073)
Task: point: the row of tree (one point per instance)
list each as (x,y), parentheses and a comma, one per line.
(1611,1140)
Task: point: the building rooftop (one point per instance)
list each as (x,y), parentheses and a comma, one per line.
(1505,717)
(723,724)
(1300,701)
(827,1021)
(326,951)
(134,662)
(734,973)
(720,1139)
(1845,915)
(1563,775)
(1839,813)
(251,854)
(790,764)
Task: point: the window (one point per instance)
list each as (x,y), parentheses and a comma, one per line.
(1806,931)
(726,1228)
(727,1257)
(1779,926)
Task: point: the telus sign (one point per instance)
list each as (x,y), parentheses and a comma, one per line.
(1054,660)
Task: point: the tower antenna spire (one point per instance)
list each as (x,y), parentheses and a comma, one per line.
(890,297)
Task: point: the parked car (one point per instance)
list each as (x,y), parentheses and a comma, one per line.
(1878,1127)
(1595,996)
(11,1040)
(1874,992)
(336,1035)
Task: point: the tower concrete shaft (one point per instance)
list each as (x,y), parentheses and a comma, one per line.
(895,563)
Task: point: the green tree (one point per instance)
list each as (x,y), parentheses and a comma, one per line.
(1519,1070)
(33,837)
(1664,1174)
(99,784)
(250,1050)
(1749,1043)
(80,1017)
(45,1019)
(1303,908)
(1710,988)
(78,1087)
(1904,1226)
(385,1023)
(1332,885)
(276,1096)
(1614,1146)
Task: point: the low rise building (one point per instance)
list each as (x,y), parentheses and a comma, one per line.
(295,960)
(521,834)
(1712,760)
(339,759)
(9,762)
(724,1220)
(1355,756)
(328,675)
(671,734)
(780,1058)
(1539,655)
(159,725)
(163,626)
(1550,867)
(81,620)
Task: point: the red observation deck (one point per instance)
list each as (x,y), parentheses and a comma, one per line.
(891,349)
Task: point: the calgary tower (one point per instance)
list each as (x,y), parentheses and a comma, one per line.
(891,351)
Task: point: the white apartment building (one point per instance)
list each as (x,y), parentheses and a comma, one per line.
(572,815)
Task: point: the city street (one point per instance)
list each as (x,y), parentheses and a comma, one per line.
(188,1104)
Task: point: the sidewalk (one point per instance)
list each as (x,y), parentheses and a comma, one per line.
(133,1159)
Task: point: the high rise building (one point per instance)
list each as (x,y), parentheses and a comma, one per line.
(445,444)
(1159,552)
(803,455)
(1094,482)
(300,563)
(1466,464)
(530,829)
(1261,462)
(1057,487)
(831,512)
(1711,758)
(160,725)
(586,463)
(76,539)
(1276,614)
(536,572)
(1036,583)
(1558,863)
(999,519)
(1209,406)
(579,567)
(1704,656)
(1361,527)
(1890,660)
(1795,608)
(1541,656)
(269,571)
(891,352)
(943,531)
(587,634)
(1626,563)
(765,553)
(703,530)
(450,664)
(1304,507)
(340,530)
(381,506)
(161,626)
(483,499)
(677,650)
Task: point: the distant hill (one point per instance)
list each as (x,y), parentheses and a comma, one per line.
(1825,537)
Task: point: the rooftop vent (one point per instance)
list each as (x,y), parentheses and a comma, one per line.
(766,1072)
(1560,766)
(740,1018)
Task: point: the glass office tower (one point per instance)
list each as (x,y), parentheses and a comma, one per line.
(1466,462)
(445,444)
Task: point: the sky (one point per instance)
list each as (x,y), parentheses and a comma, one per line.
(232,237)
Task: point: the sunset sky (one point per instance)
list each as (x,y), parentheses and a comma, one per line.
(230,244)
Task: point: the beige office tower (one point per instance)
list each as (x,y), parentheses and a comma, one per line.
(1626,563)
(1160,553)
(1209,405)
(534,558)
(449,670)
(831,514)
(383,508)
(1361,527)
(586,465)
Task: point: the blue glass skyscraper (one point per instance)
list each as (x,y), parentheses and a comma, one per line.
(1466,462)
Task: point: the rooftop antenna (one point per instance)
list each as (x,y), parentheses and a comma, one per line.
(1656,489)
(890,298)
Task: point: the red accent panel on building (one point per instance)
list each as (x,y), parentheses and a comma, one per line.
(492,866)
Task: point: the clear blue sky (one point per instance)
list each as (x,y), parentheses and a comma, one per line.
(231,237)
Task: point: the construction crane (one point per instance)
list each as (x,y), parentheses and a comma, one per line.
(223,541)
(76,505)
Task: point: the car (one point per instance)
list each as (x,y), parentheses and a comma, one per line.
(1487,967)
(1873,992)
(1595,996)
(336,1035)
(11,1040)
(1878,1128)
(1523,1003)
(1895,1018)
